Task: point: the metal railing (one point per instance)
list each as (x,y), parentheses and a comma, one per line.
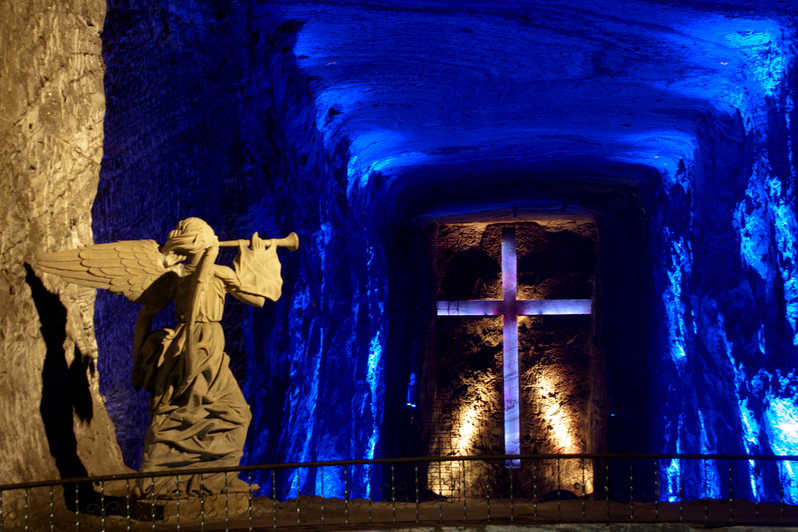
(427,491)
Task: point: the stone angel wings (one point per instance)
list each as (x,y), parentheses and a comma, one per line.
(127,267)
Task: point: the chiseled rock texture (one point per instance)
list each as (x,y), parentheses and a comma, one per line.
(51,133)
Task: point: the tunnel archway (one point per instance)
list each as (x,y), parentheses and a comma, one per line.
(625,304)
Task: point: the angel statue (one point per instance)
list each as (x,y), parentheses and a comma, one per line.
(198,415)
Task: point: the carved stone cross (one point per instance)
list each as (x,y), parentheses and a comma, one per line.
(510,307)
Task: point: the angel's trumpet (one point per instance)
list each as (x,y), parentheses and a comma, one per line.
(291,242)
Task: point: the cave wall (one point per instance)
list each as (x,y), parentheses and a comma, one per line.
(723,233)
(51,141)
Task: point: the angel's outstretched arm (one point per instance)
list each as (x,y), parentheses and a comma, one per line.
(249,299)
(233,286)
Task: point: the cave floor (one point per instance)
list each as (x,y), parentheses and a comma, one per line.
(316,513)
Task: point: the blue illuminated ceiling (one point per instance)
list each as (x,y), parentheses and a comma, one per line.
(441,83)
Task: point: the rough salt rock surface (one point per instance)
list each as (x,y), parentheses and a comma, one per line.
(51,135)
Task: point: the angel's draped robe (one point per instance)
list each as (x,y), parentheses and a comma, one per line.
(199,417)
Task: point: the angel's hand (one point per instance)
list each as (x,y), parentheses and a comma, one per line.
(256,242)
(211,252)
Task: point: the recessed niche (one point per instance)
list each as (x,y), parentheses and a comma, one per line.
(560,395)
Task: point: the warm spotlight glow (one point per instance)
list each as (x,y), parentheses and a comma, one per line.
(562,430)
(467,429)
(452,479)
(556,415)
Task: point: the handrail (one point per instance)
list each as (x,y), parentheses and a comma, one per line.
(400,460)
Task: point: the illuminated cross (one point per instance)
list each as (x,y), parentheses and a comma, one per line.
(510,308)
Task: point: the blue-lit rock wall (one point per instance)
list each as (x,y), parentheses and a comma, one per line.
(724,236)
(209,116)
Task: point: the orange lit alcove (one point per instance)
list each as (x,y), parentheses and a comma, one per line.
(561,392)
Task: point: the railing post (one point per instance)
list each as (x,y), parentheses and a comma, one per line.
(274,499)
(52,509)
(177,500)
(297,503)
(369,487)
(226,504)
(102,506)
(656,490)
(415,480)
(534,489)
(249,501)
(584,488)
(152,501)
(26,508)
(731,494)
(487,497)
(202,503)
(346,496)
(512,500)
(77,506)
(607,487)
(128,523)
(681,494)
(465,495)
(440,496)
(321,507)
(559,489)
(631,491)
(780,468)
(706,490)
(754,495)
(393,493)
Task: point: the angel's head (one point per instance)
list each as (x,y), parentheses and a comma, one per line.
(191,237)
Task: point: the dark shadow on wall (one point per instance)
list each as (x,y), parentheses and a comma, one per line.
(65,389)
